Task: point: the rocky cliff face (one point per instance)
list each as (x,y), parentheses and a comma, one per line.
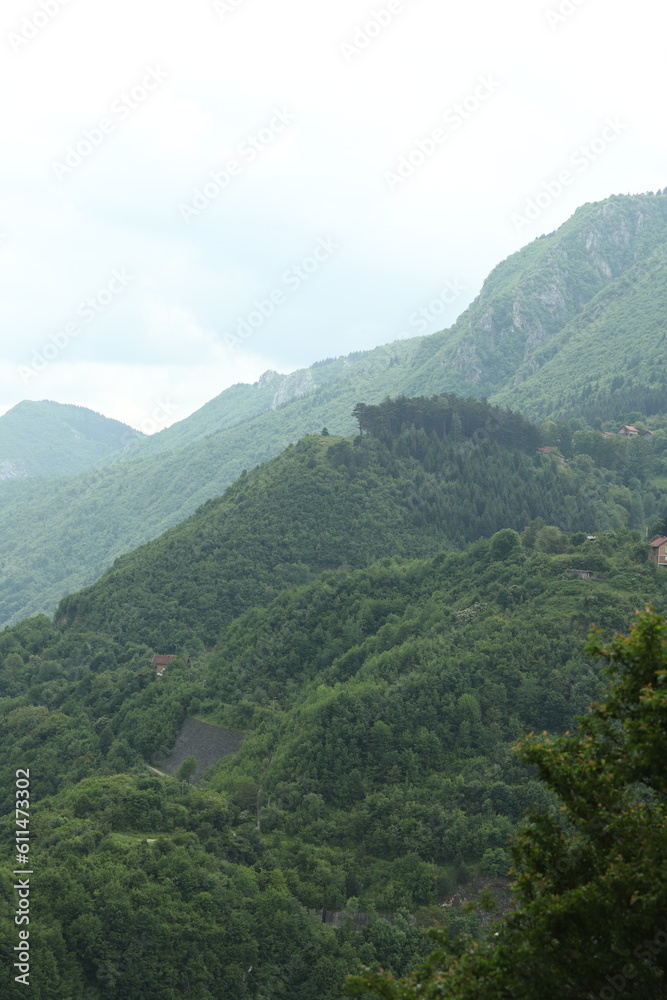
(11,470)
(531,296)
(294,386)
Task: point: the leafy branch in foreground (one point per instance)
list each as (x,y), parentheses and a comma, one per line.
(591,890)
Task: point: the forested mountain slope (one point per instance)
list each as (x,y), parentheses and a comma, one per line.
(500,339)
(567,304)
(383,704)
(377,774)
(53,439)
(428,475)
(610,360)
(58,536)
(299,403)
(533,295)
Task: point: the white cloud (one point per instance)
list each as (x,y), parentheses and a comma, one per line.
(323,175)
(149,397)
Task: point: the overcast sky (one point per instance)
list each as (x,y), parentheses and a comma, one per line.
(193,193)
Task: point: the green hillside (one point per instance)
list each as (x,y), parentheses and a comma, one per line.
(610,360)
(419,484)
(383,704)
(278,409)
(52,439)
(533,295)
(59,536)
(549,315)
(382,609)
(377,775)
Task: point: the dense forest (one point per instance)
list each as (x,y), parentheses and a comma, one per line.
(590,892)
(568,328)
(411,493)
(383,617)
(381,708)
(418,613)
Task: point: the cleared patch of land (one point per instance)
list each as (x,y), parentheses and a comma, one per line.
(205,742)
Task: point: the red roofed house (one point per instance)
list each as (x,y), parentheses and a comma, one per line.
(658,553)
(160,663)
(629,431)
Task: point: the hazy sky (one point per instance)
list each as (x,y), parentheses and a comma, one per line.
(192,193)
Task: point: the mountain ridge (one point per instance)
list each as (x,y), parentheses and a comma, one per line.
(47,439)
(529,304)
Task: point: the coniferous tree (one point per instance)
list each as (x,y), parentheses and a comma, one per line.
(592,877)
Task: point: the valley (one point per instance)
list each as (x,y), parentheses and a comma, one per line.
(268,669)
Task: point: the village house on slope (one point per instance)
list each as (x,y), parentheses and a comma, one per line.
(160,663)
(629,431)
(658,553)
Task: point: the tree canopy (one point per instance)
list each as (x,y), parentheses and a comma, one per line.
(591,886)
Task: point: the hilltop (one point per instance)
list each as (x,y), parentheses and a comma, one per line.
(418,481)
(54,439)
(570,326)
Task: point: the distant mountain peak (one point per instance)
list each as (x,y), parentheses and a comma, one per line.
(45,438)
(268,379)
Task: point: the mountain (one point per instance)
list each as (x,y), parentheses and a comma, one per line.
(58,536)
(525,303)
(390,607)
(514,328)
(610,360)
(380,707)
(587,298)
(54,439)
(418,481)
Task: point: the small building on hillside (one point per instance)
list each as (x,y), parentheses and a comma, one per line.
(160,663)
(658,553)
(583,574)
(629,431)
